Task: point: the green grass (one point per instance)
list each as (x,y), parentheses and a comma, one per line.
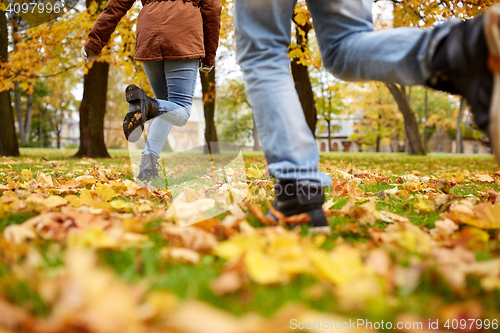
(135,264)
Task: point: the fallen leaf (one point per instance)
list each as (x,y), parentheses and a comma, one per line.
(190,237)
(484,216)
(178,254)
(259,215)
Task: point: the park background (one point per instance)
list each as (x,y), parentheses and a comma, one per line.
(414,229)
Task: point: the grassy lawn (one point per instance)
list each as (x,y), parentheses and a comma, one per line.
(412,238)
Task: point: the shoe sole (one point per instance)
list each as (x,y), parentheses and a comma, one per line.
(492,34)
(132,124)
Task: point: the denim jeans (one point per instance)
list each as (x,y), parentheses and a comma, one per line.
(350,50)
(173,82)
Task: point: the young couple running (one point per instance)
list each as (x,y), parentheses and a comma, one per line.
(457,57)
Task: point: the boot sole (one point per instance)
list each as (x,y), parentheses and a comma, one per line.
(492,34)
(133,126)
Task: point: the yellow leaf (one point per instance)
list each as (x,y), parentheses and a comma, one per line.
(162,301)
(144,208)
(301,17)
(25,175)
(92,237)
(263,269)
(54,201)
(44,179)
(254,172)
(104,192)
(84,181)
(86,198)
(120,205)
(425,206)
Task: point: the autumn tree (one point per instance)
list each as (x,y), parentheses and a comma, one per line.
(93,106)
(424,14)
(329,96)
(8,139)
(301,58)
(380,123)
(209,96)
(234,114)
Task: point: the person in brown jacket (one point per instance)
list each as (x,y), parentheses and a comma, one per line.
(174,39)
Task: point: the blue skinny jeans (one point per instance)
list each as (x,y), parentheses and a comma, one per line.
(173,83)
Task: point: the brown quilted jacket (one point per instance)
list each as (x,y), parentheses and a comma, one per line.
(166,29)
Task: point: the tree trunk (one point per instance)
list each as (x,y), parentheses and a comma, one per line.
(426,117)
(458,139)
(92,110)
(377,147)
(28,119)
(40,127)
(8,139)
(411,125)
(19,111)
(302,81)
(304,90)
(328,123)
(209,94)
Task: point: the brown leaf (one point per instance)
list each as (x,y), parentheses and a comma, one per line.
(14,318)
(303,218)
(379,261)
(395,217)
(484,216)
(190,237)
(365,214)
(493,197)
(179,254)
(257,212)
(444,227)
(468,310)
(231,278)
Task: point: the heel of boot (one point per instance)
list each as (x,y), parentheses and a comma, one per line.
(132,93)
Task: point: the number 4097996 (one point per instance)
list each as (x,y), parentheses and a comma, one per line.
(471,323)
(34,7)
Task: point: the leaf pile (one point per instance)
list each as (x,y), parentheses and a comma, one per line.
(84,248)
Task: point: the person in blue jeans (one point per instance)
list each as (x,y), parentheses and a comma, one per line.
(451,57)
(174,38)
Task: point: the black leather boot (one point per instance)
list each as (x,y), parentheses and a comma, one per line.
(294,197)
(467,63)
(141,109)
(149,169)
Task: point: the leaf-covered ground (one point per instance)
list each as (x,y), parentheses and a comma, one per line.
(84,249)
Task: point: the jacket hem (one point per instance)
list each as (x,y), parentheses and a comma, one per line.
(170,57)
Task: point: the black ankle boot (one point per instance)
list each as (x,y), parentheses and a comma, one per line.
(465,63)
(141,109)
(294,197)
(149,169)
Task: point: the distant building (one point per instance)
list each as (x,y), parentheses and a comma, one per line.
(70,134)
(339,138)
(442,142)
